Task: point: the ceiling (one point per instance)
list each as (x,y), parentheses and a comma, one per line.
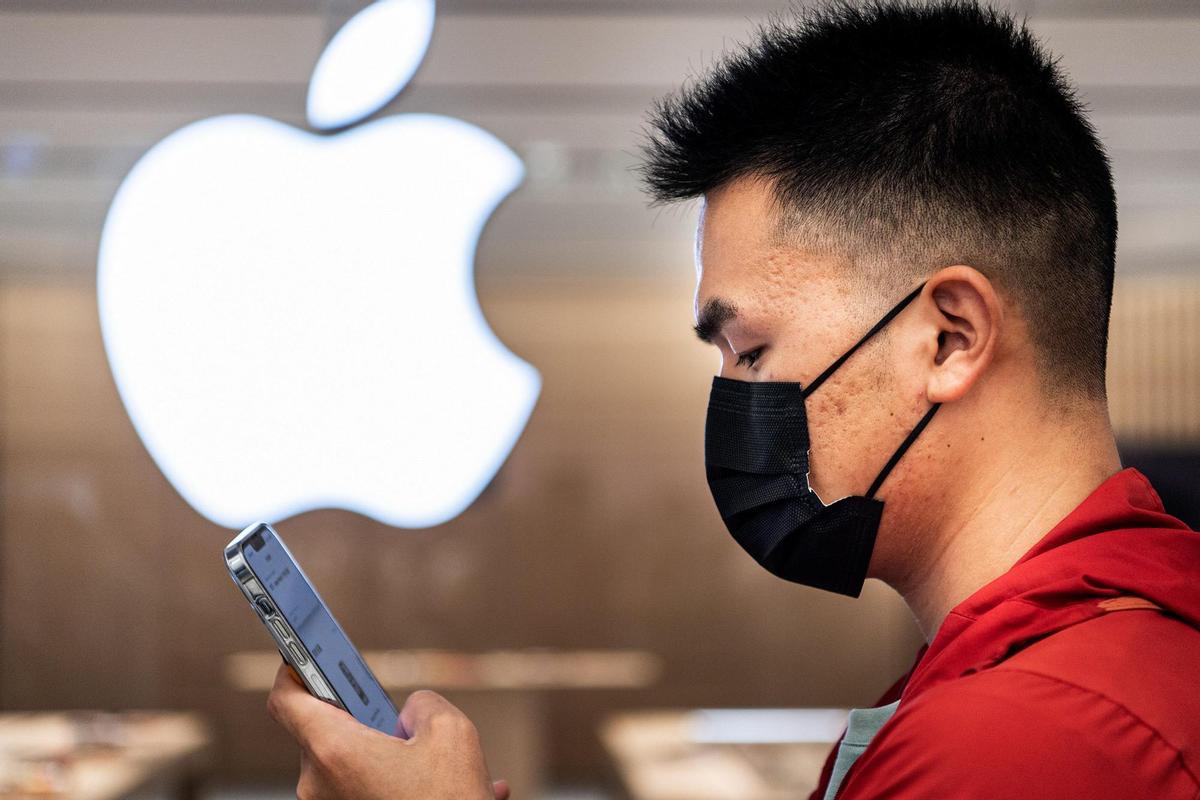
(87,87)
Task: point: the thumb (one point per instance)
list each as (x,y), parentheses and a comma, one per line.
(501,790)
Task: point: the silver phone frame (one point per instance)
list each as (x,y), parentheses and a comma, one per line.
(277,625)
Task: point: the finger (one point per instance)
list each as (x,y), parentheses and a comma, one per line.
(501,790)
(301,714)
(422,709)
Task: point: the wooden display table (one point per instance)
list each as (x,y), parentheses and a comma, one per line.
(501,691)
(87,755)
(725,754)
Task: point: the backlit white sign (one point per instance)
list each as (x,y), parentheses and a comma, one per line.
(291,318)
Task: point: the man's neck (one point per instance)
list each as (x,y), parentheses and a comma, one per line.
(1013,501)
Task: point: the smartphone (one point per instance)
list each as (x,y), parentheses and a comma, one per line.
(307,635)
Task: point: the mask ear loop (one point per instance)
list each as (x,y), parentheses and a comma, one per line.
(915,432)
(907,443)
(888,317)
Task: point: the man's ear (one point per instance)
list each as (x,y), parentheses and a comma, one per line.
(967,318)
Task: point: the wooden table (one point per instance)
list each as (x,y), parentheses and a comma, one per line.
(721,754)
(88,755)
(501,691)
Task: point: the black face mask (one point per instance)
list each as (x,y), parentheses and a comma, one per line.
(756,454)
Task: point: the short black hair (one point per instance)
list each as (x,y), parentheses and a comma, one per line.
(932,134)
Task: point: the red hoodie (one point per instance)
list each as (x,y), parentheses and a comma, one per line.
(1034,688)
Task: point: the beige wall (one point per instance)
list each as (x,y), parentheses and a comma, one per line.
(598,532)
(1154,361)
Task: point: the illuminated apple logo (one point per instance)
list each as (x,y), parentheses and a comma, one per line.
(291,318)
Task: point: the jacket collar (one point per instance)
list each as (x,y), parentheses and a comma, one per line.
(1119,542)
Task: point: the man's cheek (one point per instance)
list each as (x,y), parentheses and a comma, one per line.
(842,446)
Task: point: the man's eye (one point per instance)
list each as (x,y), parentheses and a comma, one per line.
(749,358)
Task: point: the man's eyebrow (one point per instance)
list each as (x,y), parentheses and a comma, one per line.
(712,318)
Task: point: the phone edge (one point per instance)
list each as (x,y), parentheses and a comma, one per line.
(251,587)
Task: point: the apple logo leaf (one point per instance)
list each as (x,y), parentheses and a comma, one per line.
(369,61)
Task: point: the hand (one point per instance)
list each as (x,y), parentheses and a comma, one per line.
(342,758)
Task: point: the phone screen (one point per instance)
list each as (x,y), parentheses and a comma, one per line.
(333,653)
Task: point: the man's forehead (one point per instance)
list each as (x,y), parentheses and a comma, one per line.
(747,268)
(738,215)
(746,276)
(729,249)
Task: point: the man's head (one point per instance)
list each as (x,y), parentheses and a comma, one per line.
(853,152)
(904,138)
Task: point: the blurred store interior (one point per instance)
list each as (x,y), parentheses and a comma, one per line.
(591,593)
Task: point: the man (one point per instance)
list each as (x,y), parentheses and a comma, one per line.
(905,259)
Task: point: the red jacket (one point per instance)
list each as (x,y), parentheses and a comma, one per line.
(1034,688)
